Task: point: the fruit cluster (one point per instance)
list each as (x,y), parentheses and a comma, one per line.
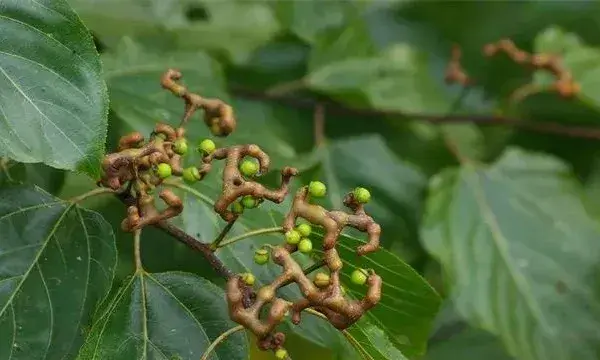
(138,167)
(324,292)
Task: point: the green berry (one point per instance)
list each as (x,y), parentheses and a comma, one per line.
(359,276)
(292,237)
(305,246)
(321,280)
(237,207)
(317,189)
(163,170)
(248,279)
(249,202)
(362,195)
(180,146)
(261,256)
(281,354)
(249,168)
(207,147)
(304,229)
(191,175)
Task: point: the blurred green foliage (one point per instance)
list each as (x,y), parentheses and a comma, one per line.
(502,221)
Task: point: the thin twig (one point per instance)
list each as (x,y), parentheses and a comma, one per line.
(220,339)
(215,244)
(137,234)
(91,193)
(197,245)
(314,267)
(319,124)
(250,234)
(583,132)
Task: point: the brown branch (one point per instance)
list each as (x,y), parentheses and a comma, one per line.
(584,132)
(319,124)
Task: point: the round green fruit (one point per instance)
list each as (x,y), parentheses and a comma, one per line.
(180,146)
(359,276)
(304,229)
(281,354)
(248,279)
(317,189)
(261,256)
(292,237)
(362,195)
(249,168)
(163,170)
(207,147)
(305,246)
(191,175)
(249,202)
(237,207)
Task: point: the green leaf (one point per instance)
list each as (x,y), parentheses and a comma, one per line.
(230,28)
(520,252)
(372,343)
(308,19)
(57,263)
(396,79)
(169,315)
(54,104)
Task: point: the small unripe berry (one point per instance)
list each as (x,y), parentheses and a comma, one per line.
(281,354)
(249,168)
(304,229)
(249,202)
(207,147)
(305,246)
(237,207)
(362,195)
(248,279)
(321,280)
(163,170)
(180,146)
(359,276)
(191,175)
(261,256)
(292,237)
(317,189)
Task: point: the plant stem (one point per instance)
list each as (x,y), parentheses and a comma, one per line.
(137,250)
(215,244)
(220,339)
(250,234)
(91,193)
(583,132)
(319,124)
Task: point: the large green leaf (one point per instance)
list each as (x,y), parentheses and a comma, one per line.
(168,315)
(56,264)
(469,344)
(520,252)
(54,105)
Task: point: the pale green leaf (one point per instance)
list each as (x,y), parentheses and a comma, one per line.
(520,252)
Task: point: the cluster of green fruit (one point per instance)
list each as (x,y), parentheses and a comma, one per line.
(190,174)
